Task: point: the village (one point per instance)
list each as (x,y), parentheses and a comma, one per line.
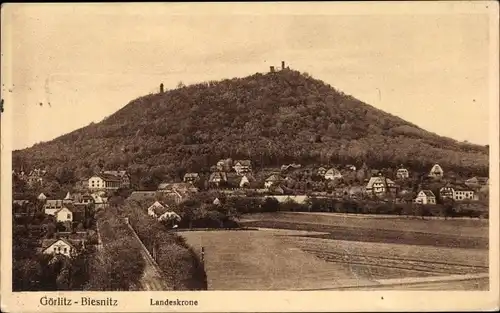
(72,213)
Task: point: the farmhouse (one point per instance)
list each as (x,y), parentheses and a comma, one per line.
(402,173)
(436,171)
(380,185)
(191,177)
(425,197)
(332,174)
(242,166)
(105,182)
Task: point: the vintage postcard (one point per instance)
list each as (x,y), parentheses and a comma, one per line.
(250,157)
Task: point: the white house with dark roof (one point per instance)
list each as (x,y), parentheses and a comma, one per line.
(332,174)
(273,180)
(61,246)
(425,197)
(402,173)
(52,206)
(436,171)
(191,177)
(380,185)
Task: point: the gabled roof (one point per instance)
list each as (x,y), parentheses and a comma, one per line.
(379,180)
(333,171)
(116,173)
(53,203)
(436,167)
(109,177)
(248,176)
(46,243)
(427,193)
(274,177)
(402,170)
(218,175)
(191,175)
(243,162)
(68,196)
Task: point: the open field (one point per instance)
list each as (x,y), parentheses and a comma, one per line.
(277,259)
(455,227)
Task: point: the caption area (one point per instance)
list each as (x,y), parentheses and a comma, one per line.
(82,301)
(109,301)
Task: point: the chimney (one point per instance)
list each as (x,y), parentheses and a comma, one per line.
(272,69)
(282,65)
(161,88)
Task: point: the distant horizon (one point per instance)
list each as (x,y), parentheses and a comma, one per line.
(431,70)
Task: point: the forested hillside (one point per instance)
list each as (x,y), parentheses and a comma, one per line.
(271,118)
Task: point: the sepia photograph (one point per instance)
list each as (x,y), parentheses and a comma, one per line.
(166,149)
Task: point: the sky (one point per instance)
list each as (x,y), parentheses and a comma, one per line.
(88,61)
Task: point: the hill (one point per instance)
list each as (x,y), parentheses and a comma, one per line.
(271,118)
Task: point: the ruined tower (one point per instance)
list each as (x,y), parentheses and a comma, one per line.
(161,88)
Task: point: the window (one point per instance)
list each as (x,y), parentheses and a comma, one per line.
(65,250)
(69,216)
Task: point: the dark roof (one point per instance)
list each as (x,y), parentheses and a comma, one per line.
(141,195)
(274,177)
(109,177)
(428,193)
(191,175)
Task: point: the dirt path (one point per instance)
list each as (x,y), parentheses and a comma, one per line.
(152,278)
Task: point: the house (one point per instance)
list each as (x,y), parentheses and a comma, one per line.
(99,201)
(105,182)
(35,177)
(356,192)
(446,192)
(177,192)
(464,194)
(52,206)
(477,182)
(246,180)
(321,171)
(350,167)
(191,177)
(216,201)
(217,178)
(242,166)
(436,171)
(61,246)
(68,198)
(405,196)
(402,173)
(170,216)
(425,197)
(288,167)
(332,174)
(64,215)
(156,209)
(273,180)
(122,175)
(83,199)
(224,165)
(380,185)
(42,197)
(20,202)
